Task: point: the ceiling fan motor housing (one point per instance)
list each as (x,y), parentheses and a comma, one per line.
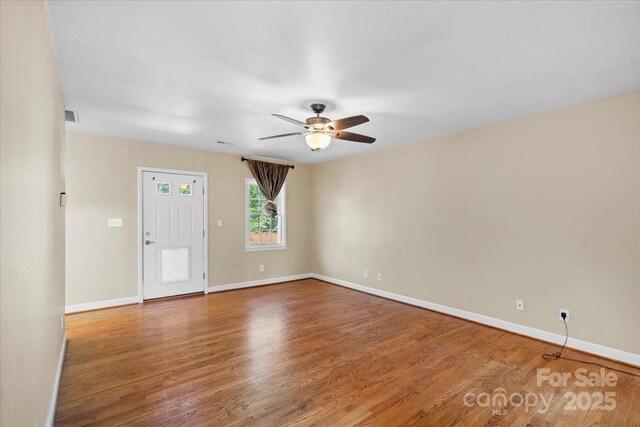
(317,123)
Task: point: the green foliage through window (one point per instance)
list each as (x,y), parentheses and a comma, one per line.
(184,189)
(163,188)
(263,230)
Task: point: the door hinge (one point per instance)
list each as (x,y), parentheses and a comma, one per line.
(202,233)
(203,191)
(203,275)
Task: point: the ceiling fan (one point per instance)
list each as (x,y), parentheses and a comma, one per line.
(320,130)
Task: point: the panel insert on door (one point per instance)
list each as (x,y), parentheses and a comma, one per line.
(185,221)
(175,264)
(163,220)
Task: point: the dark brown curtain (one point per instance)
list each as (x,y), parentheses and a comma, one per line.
(270,178)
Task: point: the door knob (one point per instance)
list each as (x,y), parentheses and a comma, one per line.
(148,242)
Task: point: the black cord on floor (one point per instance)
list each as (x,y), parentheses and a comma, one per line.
(558,355)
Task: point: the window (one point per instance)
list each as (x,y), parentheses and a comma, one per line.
(264,232)
(163,188)
(184,189)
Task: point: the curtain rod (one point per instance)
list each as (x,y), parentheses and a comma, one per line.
(242,159)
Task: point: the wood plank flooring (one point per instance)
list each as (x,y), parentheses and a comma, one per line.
(312,353)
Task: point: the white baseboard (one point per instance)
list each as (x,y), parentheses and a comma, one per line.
(56,384)
(75,308)
(240,285)
(589,347)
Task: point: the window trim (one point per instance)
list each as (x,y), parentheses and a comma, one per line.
(283,220)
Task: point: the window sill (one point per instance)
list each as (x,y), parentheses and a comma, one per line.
(264,248)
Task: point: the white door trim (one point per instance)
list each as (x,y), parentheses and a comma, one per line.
(205,186)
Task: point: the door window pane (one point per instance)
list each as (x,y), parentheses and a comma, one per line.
(184,189)
(163,188)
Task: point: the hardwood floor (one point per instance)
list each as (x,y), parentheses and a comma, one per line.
(311,353)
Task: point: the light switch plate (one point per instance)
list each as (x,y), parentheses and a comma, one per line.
(114,222)
(219,223)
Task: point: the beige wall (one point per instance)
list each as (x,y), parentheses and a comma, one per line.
(102,183)
(31,221)
(544,208)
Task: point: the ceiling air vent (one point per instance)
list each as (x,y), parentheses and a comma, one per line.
(226,143)
(71,116)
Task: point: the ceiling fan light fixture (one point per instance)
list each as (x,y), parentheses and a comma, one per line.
(318,141)
(319,131)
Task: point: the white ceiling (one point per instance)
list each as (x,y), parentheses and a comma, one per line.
(192,73)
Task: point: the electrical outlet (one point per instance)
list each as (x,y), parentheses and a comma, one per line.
(562,310)
(520,304)
(366,274)
(114,222)
(379,276)
(261,268)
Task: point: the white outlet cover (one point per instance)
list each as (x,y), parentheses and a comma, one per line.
(114,222)
(219,223)
(520,305)
(366,274)
(565,311)
(261,268)
(379,276)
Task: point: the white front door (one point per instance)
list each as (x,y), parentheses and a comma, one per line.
(173,234)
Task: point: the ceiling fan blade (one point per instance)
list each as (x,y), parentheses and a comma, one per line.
(347,122)
(349,136)
(290,120)
(282,135)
